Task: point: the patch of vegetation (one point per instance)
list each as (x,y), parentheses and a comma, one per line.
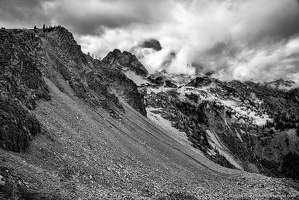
(290,165)
(17,125)
(271,167)
(169,84)
(195,113)
(48,28)
(173,93)
(287,141)
(283,121)
(13,187)
(193,97)
(241,149)
(228,113)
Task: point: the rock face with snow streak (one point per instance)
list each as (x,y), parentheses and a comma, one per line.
(247,125)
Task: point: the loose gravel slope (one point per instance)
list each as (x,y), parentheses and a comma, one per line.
(83,153)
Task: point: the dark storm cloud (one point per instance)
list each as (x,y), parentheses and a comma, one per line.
(22,12)
(280,23)
(91,16)
(86,17)
(152,43)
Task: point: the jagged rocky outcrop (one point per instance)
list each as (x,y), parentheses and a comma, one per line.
(20,64)
(125,60)
(111,71)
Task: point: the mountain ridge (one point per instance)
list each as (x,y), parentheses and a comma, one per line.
(258,106)
(83,131)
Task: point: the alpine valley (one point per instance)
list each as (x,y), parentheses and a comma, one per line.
(76,127)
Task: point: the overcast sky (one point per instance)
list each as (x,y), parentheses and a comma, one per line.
(237,39)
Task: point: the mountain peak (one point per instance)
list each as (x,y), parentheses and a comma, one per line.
(125,61)
(116,51)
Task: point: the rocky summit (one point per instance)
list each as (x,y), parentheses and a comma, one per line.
(76,127)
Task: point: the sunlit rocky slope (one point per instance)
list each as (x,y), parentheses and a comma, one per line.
(74,127)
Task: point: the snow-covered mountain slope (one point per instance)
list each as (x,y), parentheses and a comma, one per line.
(229,121)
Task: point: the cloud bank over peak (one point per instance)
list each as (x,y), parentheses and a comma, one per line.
(237,39)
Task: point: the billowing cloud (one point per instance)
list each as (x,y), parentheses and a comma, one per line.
(237,39)
(276,60)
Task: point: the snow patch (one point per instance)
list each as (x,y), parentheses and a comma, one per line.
(239,136)
(157,90)
(138,80)
(216,143)
(249,113)
(179,136)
